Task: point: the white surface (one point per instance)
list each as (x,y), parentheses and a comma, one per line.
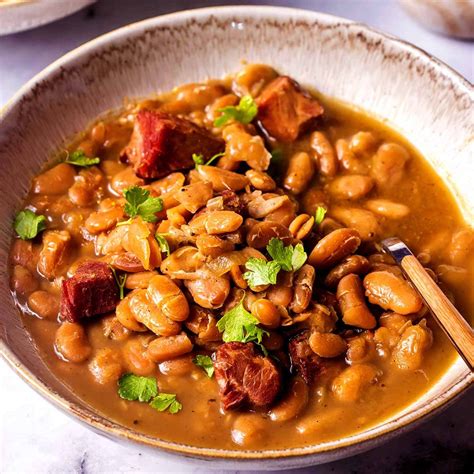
(37,438)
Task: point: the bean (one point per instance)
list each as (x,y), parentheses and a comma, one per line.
(147,313)
(360,349)
(390,292)
(350,296)
(284,214)
(388,164)
(321,318)
(451,275)
(266,312)
(280,295)
(82,192)
(383,267)
(328,225)
(236,276)
(221,222)
(194,196)
(313,198)
(44,304)
(351,264)
(327,344)
(182,262)
(319,421)
(56,180)
(393,321)
(303,288)
(349,384)
(169,184)
(262,206)
(113,329)
(177,367)
(71,342)
(363,143)
(334,247)
(222,180)
(213,111)
(141,242)
(409,351)
(126,316)
(324,154)
(102,221)
(136,357)
(203,323)
(209,291)
(139,280)
(260,180)
(261,233)
(293,403)
(191,97)
(361,220)
(351,187)
(169,299)
(252,79)
(461,245)
(54,253)
(273,340)
(165,348)
(212,245)
(299,173)
(106,366)
(301,226)
(248,429)
(24,253)
(125,179)
(348,159)
(386,208)
(22,281)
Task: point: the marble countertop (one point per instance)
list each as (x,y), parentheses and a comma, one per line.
(57,444)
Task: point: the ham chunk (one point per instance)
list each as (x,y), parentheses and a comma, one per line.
(303,360)
(162,143)
(285,110)
(245,378)
(91,291)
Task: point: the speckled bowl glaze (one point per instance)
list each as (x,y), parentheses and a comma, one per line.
(422,98)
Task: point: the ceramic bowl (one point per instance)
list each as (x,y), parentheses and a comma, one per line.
(422,98)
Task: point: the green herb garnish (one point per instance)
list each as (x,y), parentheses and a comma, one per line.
(240,325)
(28,225)
(163,243)
(79,158)
(135,387)
(319,215)
(261,272)
(166,401)
(205,362)
(140,203)
(289,258)
(245,112)
(120,280)
(198,158)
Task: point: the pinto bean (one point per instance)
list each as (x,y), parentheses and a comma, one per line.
(386,208)
(212,245)
(303,288)
(328,225)
(350,296)
(25,253)
(390,292)
(221,179)
(262,206)
(169,299)
(54,253)
(360,348)
(351,187)
(182,262)
(262,232)
(313,198)
(103,221)
(209,291)
(252,79)
(222,222)
(44,304)
(136,358)
(409,351)
(364,222)
(204,324)
(266,312)
(165,348)
(299,173)
(71,342)
(177,367)
(83,191)
(260,180)
(139,280)
(113,329)
(293,403)
(461,245)
(321,318)
(351,264)
(451,275)
(280,294)
(213,110)
(301,226)
(363,143)
(56,180)
(147,313)
(350,383)
(348,159)
(126,317)
(22,281)
(393,321)
(388,164)
(324,154)
(327,344)
(125,179)
(141,243)
(284,214)
(334,247)
(106,366)
(194,196)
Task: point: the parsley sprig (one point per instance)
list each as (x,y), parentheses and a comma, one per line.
(163,243)
(198,159)
(205,362)
(140,203)
(79,158)
(261,272)
(120,280)
(145,389)
(28,225)
(244,112)
(319,215)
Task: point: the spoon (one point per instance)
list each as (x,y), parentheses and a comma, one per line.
(448,317)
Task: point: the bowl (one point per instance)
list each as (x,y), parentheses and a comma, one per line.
(420,97)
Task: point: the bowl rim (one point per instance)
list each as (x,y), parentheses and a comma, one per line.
(356,442)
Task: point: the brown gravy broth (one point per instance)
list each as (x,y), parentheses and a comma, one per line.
(427,229)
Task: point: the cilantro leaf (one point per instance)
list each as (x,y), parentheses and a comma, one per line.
(79,158)
(261,272)
(120,280)
(135,387)
(240,325)
(139,203)
(289,258)
(245,112)
(28,225)
(319,215)
(166,401)
(205,362)
(198,158)
(163,243)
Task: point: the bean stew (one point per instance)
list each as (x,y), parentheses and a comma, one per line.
(204,266)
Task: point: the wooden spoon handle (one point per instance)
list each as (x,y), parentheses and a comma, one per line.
(448,317)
